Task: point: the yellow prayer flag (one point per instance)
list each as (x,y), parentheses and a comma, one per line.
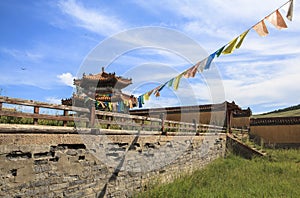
(261,28)
(110,106)
(176,81)
(242,37)
(277,20)
(231,46)
(146,96)
(130,104)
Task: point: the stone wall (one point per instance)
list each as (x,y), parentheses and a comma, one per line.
(234,145)
(73,165)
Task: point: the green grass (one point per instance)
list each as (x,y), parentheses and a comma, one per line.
(286,112)
(277,175)
(15,120)
(291,113)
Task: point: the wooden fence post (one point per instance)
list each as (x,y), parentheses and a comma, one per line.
(66,112)
(195,127)
(0,106)
(143,124)
(162,117)
(35,111)
(122,121)
(109,118)
(92,116)
(229,116)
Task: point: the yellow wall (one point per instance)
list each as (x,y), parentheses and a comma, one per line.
(240,122)
(273,134)
(203,117)
(214,118)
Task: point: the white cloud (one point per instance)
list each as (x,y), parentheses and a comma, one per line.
(23,55)
(66,78)
(158,102)
(91,19)
(53,100)
(266,86)
(215,20)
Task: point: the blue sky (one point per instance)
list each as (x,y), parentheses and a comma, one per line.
(44,45)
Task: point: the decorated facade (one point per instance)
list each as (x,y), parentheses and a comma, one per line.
(102,90)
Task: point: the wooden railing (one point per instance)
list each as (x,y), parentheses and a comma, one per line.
(89,117)
(36,115)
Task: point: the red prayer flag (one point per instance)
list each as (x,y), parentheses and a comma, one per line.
(261,28)
(277,20)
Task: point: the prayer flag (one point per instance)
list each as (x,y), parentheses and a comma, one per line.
(150,92)
(261,28)
(146,96)
(156,92)
(191,72)
(242,37)
(170,83)
(110,106)
(290,11)
(202,64)
(140,101)
(231,46)
(209,60)
(161,87)
(177,80)
(277,20)
(219,51)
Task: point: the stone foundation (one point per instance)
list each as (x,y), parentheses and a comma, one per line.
(73,165)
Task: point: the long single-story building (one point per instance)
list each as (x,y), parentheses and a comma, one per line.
(224,114)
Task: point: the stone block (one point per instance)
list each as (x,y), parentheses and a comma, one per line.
(41,168)
(55,187)
(71,152)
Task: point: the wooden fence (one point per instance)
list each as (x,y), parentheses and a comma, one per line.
(91,118)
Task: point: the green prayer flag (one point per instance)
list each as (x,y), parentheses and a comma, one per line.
(219,52)
(170,83)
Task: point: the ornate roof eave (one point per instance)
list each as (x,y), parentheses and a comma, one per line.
(97,79)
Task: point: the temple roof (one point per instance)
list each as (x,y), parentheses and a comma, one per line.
(103,79)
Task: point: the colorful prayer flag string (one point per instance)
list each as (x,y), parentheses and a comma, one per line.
(274,18)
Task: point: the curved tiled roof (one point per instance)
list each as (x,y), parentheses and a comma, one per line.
(103,79)
(103,76)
